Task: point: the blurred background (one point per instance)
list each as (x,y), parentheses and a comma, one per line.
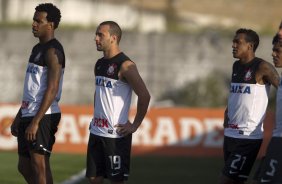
(182,49)
(178,45)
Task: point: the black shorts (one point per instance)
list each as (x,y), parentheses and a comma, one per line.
(239,157)
(45,136)
(108,157)
(271,167)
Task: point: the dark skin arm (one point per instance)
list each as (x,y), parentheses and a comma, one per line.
(53,80)
(130,74)
(226,119)
(267,74)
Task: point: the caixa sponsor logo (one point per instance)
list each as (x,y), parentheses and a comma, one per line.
(32,69)
(104,82)
(100,122)
(240,89)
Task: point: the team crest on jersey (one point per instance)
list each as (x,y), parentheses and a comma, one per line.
(37,57)
(248,75)
(111,69)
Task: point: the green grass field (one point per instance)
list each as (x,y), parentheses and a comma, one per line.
(63,166)
(144,169)
(177,170)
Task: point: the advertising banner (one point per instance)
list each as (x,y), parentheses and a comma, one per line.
(164,131)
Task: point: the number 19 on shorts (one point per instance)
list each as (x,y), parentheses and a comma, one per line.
(115,162)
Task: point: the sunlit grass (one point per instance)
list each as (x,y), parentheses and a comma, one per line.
(144,169)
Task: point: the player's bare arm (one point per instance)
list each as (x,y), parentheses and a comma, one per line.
(94,91)
(53,59)
(130,74)
(268,74)
(226,119)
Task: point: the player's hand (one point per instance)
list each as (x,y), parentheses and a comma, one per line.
(31,130)
(15,126)
(125,129)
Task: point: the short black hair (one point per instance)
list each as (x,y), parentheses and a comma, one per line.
(277,40)
(53,13)
(114,29)
(251,36)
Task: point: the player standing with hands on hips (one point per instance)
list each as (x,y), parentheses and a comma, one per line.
(37,121)
(247,104)
(109,146)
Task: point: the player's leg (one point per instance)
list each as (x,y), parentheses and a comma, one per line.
(49,176)
(240,160)
(96,180)
(41,148)
(24,162)
(118,163)
(227,152)
(95,169)
(271,167)
(39,167)
(227,180)
(258,171)
(51,123)
(24,167)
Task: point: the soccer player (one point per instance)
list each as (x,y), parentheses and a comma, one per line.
(37,120)
(247,103)
(116,75)
(271,169)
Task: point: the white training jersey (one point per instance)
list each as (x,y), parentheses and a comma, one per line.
(35,83)
(112,97)
(277,131)
(247,102)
